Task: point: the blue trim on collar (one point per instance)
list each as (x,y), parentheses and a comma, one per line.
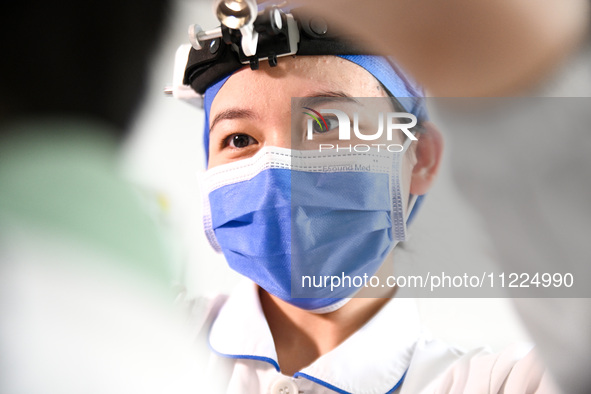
(247,357)
(338,390)
(397,385)
(244,356)
(320,382)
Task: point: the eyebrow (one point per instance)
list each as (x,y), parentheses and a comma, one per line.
(326,96)
(232,113)
(310,100)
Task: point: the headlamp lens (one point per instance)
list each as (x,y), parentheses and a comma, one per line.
(235,13)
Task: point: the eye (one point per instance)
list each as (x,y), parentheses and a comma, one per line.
(331,121)
(240,141)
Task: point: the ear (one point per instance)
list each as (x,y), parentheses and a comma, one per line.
(428,158)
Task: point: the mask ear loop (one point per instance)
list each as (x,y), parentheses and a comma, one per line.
(412,197)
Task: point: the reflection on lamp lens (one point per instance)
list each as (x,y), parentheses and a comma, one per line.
(235,13)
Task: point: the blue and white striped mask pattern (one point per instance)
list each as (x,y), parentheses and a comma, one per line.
(285,214)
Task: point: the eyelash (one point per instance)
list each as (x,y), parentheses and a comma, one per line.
(227,141)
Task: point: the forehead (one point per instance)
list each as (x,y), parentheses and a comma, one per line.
(295,77)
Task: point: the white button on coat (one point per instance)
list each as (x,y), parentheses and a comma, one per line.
(284,385)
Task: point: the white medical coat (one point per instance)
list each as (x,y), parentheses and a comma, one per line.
(391,353)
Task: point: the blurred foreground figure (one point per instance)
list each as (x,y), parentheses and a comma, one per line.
(525,165)
(84,277)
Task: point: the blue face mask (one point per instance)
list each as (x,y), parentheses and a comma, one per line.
(284,215)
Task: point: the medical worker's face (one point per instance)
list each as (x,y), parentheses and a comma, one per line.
(253,108)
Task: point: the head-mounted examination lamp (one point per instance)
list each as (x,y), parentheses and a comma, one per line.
(248,34)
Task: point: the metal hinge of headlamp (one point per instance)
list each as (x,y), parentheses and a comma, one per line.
(253,35)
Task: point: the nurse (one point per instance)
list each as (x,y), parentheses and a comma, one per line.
(292,218)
